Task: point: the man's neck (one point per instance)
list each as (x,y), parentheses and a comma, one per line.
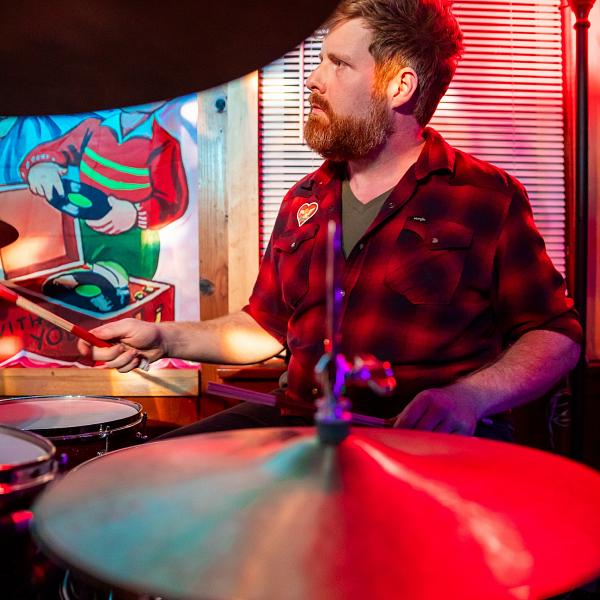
(371,176)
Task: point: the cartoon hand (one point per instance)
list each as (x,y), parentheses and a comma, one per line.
(121,217)
(44,177)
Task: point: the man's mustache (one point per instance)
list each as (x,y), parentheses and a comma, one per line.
(318,101)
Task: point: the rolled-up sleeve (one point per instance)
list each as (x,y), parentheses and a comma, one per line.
(529,293)
(266,305)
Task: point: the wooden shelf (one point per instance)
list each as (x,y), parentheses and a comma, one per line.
(105,382)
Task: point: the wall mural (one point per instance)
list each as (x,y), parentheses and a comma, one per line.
(106,209)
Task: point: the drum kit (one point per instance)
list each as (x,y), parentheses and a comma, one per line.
(320,513)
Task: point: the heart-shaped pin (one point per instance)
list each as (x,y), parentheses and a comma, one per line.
(306,211)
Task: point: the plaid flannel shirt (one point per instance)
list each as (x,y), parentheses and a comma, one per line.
(451,272)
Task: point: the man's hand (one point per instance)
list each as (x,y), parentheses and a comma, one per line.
(121,217)
(45,177)
(446,410)
(532,366)
(134,340)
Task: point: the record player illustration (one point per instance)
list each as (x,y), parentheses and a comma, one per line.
(49,247)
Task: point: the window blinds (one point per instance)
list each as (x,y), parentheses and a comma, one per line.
(505,106)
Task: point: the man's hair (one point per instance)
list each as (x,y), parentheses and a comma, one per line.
(421,34)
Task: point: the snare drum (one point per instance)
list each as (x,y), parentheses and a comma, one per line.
(79,426)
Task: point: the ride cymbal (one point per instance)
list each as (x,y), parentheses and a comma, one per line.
(273,513)
(70,57)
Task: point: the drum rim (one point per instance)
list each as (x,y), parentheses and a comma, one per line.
(42,469)
(93,430)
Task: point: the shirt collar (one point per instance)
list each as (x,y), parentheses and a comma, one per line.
(144,130)
(322,176)
(437,155)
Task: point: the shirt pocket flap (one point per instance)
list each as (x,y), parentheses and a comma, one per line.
(419,228)
(446,235)
(289,241)
(428,262)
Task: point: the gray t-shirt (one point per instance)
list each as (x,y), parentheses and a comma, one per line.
(356,216)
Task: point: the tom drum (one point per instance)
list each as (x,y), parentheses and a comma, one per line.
(81,427)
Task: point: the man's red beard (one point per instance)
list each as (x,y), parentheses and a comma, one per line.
(347,138)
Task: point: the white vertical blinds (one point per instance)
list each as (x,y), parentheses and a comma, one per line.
(505,105)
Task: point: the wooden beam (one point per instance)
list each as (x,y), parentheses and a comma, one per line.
(228,195)
(228,199)
(212,202)
(242,189)
(74,381)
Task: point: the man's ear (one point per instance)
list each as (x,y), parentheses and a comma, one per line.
(402,88)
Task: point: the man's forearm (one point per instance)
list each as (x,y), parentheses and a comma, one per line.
(528,369)
(233,339)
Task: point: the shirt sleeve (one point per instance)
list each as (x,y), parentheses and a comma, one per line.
(64,150)
(266,304)
(529,293)
(169,197)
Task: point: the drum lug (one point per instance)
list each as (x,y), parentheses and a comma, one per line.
(104,435)
(141,435)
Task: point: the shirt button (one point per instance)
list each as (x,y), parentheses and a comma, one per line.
(434,240)
(342,293)
(293,245)
(361,246)
(390,205)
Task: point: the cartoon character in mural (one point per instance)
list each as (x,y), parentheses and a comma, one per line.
(131,182)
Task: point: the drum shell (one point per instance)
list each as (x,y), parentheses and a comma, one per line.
(24,571)
(79,449)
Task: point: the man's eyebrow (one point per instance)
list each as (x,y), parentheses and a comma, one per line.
(343,57)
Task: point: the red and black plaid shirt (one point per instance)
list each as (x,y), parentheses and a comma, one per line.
(451,271)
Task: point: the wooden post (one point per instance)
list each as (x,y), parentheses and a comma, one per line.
(228,195)
(228,200)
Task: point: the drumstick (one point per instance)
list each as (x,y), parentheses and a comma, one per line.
(18,300)
(254,397)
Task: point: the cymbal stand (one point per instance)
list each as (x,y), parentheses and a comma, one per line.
(333,370)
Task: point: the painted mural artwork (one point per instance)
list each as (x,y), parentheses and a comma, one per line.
(106,211)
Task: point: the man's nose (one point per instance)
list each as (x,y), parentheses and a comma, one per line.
(314,81)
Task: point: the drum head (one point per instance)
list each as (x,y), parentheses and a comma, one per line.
(18,448)
(59,416)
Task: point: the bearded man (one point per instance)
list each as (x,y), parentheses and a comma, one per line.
(444,273)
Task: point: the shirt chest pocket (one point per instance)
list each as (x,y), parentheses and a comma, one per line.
(294,250)
(428,260)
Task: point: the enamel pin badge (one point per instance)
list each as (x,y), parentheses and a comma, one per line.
(305,212)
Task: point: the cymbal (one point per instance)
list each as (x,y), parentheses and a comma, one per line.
(70,57)
(273,513)
(8,234)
